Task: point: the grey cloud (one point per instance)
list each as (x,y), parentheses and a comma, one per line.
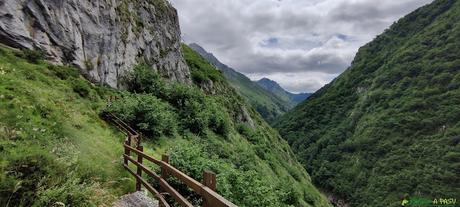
(320,37)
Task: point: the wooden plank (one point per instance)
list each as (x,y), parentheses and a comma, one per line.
(176,195)
(164,184)
(139,169)
(127,152)
(147,157)
(144,168)
(190,182)
(124,127)
(152,190)
(214,199)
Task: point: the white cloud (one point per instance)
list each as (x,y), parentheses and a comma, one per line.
(297,43)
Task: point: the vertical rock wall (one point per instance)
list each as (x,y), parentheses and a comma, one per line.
(103,38)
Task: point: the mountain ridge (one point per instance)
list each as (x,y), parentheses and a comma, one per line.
(275,88)
(265,102)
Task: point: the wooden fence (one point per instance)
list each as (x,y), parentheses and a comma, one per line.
(206,189)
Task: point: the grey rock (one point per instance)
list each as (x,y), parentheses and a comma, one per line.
(103,38)
(137,199)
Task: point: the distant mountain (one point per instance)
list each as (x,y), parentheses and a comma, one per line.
(276,89)
(269,105)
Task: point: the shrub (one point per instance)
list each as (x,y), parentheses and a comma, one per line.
(144,80)
(81,87)
(198,77)
(148,113)
(89,65)
(63,72)
(28,171)
(219,123)
(33,56)
(196,111)
(71,193)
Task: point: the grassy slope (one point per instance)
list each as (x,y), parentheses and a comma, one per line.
(389,126)
(53,146)
(255,166)
(266,103)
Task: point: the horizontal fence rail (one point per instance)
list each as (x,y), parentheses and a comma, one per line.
(206,189)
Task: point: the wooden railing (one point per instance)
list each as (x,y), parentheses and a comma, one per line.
(206,189)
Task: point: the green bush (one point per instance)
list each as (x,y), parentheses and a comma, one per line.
(28,172)
(196,111)
(63,72)
(33,56)
(81,87)
(148,113)
(143,79)
(71,193)
(219,122)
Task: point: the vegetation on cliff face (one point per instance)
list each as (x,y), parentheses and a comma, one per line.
(53,146)
(211,128)
(388,127)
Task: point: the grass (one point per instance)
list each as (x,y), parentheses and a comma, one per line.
(50,121)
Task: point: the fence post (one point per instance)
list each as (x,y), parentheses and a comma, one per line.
(127,151)
(139,169)
(164,171)
(209,180)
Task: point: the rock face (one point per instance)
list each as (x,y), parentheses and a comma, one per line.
(103,38)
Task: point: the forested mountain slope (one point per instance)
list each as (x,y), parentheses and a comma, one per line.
(269,105)
(388,127)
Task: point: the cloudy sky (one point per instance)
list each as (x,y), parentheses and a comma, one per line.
(301,44)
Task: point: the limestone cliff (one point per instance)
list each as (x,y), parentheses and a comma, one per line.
(103,38)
